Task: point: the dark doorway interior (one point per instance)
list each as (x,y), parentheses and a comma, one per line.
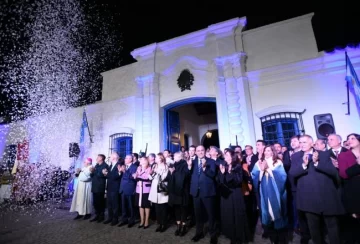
(212,141)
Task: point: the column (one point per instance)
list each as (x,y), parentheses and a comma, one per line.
(148,118)
(236,117)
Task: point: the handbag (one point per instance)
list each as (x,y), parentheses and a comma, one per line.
(162,186)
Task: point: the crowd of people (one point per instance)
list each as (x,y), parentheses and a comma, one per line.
(310,188)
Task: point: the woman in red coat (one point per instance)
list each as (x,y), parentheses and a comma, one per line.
(349,170)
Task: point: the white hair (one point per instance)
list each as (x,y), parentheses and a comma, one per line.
(338,137)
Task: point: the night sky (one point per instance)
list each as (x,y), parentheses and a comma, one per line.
(157,23)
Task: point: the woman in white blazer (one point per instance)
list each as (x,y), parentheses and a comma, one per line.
(158,194)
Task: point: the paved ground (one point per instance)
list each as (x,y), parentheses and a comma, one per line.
(50,225)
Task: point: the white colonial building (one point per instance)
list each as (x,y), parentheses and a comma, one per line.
(267,83)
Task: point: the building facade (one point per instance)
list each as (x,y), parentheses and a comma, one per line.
(267,83)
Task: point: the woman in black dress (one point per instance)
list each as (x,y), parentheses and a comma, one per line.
(233,215)
(178,188)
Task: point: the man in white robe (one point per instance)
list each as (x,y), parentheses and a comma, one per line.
(82,199)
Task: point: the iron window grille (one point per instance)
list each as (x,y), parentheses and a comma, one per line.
(280,127)
(122,143)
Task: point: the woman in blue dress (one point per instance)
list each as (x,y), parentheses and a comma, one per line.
(269,178)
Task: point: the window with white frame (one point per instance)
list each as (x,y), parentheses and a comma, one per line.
(280,127)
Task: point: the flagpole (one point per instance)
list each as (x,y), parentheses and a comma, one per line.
(347,86)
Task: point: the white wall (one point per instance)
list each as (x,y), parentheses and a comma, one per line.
(50,135)
(280,43)
(316,85)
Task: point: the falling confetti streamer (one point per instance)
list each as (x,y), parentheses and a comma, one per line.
(53,53)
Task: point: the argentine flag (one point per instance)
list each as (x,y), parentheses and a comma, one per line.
(353,80)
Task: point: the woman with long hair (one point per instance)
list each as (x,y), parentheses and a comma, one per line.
(179,181)
(158,195)
(269,177)
(233,212)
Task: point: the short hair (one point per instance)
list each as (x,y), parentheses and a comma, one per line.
(135,155)
(261,141)
(307,136)
(152,155)
(167,150)
(249,146)
(102,156)
(181,154)
(192,146)
(129,155)
(338,137)
(277,143)
(237,147)
(295,137)
(322,141)
(200,146)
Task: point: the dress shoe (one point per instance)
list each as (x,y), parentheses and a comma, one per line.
(163,229)
(122,224)
(214,240)
(158,229)
(114,223)
(140,226)
(94,219)
(107,221)
(100,219)
(197,237)
(183,230)
(131,225)
(145,227)
(178,230)
(87,216)
(78,217)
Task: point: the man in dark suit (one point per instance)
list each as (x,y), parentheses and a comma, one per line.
(203,190)
(98,188)
(250,158)
(127,191)
(317,190)
(334,142)
(112,190)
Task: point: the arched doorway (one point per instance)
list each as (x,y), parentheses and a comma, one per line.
(196,111)
(211,139)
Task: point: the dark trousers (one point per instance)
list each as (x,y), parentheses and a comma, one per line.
(180,213)
(304,227)
(99,203)
(277,236)
(205,206)
(113,206)
(251,214)
(161,213)
(316,230)
(128,213)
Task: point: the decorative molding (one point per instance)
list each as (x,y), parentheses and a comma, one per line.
(197,38)
(234,59)
(144,52)
(124,130)
(325,63)
(278,109)
(147,78)
(189,62)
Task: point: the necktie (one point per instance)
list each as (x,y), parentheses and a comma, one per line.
(336,153)
(110,167)
(199,167)
(127,167)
